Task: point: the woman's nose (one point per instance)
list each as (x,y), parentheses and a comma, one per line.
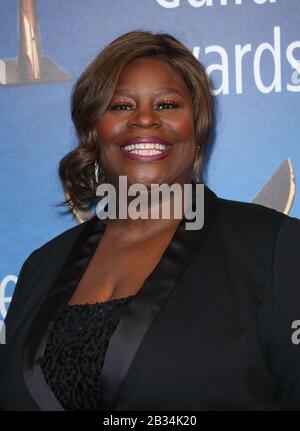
(144,116)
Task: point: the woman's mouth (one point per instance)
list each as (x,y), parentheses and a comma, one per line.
(146,151)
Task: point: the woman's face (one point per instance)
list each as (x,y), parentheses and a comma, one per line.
(151,100)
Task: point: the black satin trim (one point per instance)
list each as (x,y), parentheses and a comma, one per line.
(136,319)
(54,303)
(144,307)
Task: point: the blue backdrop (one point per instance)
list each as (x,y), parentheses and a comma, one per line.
(249,47)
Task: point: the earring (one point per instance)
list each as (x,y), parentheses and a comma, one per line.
(196,173)
(96,164)
(196,177)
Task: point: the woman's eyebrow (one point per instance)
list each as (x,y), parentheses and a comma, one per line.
(159,92)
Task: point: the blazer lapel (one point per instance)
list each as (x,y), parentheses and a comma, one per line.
(135,321)
(71,268)
(145,306)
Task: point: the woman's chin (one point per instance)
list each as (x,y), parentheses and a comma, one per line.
(142,180)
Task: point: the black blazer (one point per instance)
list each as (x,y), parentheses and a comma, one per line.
(214,327)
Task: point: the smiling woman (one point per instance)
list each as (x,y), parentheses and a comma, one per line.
(148,111)
(144,314)
(141,87)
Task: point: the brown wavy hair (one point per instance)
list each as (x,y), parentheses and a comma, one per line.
(94,90)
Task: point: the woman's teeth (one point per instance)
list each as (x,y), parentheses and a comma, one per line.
(145,149)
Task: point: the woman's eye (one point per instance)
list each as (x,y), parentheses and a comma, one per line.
(120,106)
(169,105)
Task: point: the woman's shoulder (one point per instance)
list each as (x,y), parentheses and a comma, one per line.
(57,244)
(254,226)
(46,258)
(253,215)
(65,237)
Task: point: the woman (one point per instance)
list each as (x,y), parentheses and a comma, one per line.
(143,314)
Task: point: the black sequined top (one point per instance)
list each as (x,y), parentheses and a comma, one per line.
(75,352)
